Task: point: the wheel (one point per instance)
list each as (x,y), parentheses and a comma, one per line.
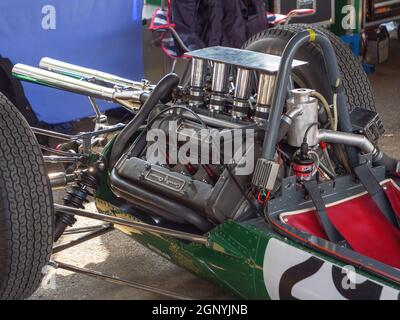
(314,75)
(26,207)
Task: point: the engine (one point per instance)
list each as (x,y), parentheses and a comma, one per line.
(199,160)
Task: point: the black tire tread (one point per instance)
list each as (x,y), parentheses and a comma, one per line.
(355,81)
(26,207)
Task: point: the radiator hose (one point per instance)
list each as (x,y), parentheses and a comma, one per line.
(163,89)
(392,165)
(379,158)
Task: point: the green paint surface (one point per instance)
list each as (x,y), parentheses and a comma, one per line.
(235,258)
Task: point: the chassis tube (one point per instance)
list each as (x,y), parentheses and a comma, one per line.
(116,280)
(282,84)
(135,225)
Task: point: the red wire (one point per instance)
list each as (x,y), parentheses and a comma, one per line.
(267,197)
(263,202)
(258,198)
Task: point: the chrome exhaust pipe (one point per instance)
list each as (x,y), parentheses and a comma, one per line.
(130,99)
(87,74)
(58,81)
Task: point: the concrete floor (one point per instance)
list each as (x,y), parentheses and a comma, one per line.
(386,86)
(117,254)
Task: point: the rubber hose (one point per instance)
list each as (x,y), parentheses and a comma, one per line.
(325,105)
(391,165)
(163,88)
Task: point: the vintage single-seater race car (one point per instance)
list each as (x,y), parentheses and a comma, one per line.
(262,175)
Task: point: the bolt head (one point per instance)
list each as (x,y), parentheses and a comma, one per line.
(101,166)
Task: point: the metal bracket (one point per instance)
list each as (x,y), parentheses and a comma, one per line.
(85,137)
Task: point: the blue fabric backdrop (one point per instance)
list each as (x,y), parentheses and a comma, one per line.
(99,34)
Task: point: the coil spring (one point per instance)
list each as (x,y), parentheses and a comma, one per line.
(76,197)
(79,193)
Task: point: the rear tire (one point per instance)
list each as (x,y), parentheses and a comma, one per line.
(314,75)
(26,207)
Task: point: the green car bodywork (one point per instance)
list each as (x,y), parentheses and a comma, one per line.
(252,261)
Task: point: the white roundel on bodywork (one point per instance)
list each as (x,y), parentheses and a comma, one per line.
(291,273)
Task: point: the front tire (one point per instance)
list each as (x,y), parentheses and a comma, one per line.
(26,207)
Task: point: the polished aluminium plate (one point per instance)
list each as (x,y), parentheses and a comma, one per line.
(242,58)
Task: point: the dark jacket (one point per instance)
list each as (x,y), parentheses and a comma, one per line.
(204,23)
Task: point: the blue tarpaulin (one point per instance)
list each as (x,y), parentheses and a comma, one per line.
(99,34)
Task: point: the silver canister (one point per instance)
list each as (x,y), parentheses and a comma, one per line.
(197,81)
(304,121)
(242,93)
(266,88)
(219,87)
